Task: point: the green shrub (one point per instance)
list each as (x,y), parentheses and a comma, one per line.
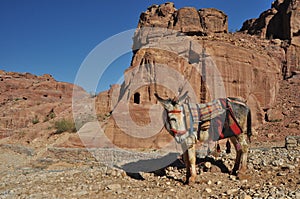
(50,116)
(64,125)
(103,117)
(35,120)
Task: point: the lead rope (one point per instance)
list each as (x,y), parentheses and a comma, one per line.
(228,147)
(218,147)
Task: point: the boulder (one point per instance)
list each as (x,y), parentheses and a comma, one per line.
(188,21)
(292,142)
(213,20)
(158,16)
(274,115)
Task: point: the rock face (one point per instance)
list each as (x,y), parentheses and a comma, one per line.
(174,52)
(280,22)
(231,64)
(28,101)
(106,100)
(213,20)
(187,20)
(188,50)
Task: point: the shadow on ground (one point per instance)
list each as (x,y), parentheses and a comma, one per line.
(158,166)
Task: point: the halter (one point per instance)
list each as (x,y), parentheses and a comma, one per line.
(177,132)
(175,111)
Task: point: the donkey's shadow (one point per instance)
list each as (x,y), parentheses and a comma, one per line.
(158,166)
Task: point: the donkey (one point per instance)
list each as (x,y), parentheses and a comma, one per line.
(231,119)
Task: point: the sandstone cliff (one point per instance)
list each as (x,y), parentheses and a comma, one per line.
(281,22)
(188,20)
(190,50)
(174,51)
(30,104)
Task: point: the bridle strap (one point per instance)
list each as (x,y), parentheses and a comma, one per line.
(177,132)
(175,111)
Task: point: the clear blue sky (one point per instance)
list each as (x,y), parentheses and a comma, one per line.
(55,36)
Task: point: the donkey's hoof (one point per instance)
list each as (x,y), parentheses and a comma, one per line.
(190,181)
(244,176)
(233,172)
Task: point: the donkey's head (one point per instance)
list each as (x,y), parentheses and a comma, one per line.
(175,117)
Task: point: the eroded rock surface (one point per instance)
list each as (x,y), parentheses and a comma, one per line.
(190,50)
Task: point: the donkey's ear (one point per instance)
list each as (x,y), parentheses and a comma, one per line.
(161,100)
(182,97)
(165,102)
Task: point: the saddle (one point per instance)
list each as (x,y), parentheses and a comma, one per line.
(216,117)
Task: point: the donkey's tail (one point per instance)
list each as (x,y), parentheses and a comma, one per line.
(249,125)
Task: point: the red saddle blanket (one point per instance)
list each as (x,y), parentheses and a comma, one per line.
(224,125)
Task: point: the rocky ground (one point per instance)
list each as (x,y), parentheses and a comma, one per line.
(273,173)
(274,169)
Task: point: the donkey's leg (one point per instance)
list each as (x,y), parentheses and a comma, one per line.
(238,150)
(243,138)
(190,159)
(241,147)
(187,165)
(244,148)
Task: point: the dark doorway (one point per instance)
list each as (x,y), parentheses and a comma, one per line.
(136,98)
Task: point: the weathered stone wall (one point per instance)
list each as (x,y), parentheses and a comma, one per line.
(188,20)
(248,71)
(27,100)
(189,50)
(280,22)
